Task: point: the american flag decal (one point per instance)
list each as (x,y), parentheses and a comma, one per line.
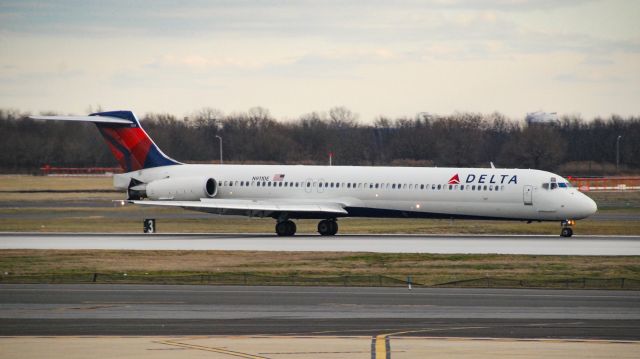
(278,177)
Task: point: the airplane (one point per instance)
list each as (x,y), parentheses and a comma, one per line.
(327,193)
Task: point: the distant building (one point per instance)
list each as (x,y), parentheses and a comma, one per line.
(542,118)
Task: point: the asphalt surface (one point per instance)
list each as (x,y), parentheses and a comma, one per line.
(236,310)
(447,244)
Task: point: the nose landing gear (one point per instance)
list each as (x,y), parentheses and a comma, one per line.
(566,230)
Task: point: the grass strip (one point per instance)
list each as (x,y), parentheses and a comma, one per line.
(315,268)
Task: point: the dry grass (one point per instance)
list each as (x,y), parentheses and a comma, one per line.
(22,183)
(424,268)
(86,222)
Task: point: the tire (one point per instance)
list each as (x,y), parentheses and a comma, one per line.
(566,232)
(291,228)
(334,228)
(285,229)
(281,229)
(324,228)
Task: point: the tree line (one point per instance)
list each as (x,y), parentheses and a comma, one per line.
(573,146)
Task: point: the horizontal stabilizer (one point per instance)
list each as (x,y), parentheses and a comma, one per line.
(94,119)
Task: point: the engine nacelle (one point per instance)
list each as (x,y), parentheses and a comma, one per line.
(182,188)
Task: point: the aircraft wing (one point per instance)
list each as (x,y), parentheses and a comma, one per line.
(252,207)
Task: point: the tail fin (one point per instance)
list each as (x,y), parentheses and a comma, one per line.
(128,142)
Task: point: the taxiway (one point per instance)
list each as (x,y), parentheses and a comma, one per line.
(236,310)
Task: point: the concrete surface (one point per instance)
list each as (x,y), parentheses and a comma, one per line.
(223,347)
(384,243)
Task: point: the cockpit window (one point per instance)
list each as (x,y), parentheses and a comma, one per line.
(553,185)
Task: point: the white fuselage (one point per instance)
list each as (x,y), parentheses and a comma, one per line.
(519,194)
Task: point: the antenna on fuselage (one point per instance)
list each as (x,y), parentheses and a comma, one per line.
(492,166)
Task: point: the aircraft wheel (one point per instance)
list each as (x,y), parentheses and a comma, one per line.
(291,228)
(566,232)
(334,227)
(327,227)
(286,228)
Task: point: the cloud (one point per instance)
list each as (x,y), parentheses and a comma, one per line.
(574,77)
(200,62)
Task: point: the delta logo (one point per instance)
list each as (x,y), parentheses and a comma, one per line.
(484,178)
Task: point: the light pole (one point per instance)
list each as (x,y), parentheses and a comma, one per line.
(618,152)
(220,138)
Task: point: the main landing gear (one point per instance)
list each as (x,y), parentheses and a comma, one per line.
(286,228)
(328,227)
(566,230)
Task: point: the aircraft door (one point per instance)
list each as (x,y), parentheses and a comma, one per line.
(528,195)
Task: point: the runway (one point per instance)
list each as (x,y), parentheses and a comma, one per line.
(438,244)
(228,310)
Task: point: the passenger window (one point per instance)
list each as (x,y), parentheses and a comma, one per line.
(337,184)
(462,187)
(331,184)
(439,186)
(421,186)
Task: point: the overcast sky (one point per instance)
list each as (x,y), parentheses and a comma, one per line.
(393,58)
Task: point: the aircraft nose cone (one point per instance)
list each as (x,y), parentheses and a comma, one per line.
(592,207)
(587,206)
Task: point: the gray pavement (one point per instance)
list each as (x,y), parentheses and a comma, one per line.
(229,310)
(444,244)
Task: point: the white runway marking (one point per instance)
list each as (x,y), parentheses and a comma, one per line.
(466,244)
